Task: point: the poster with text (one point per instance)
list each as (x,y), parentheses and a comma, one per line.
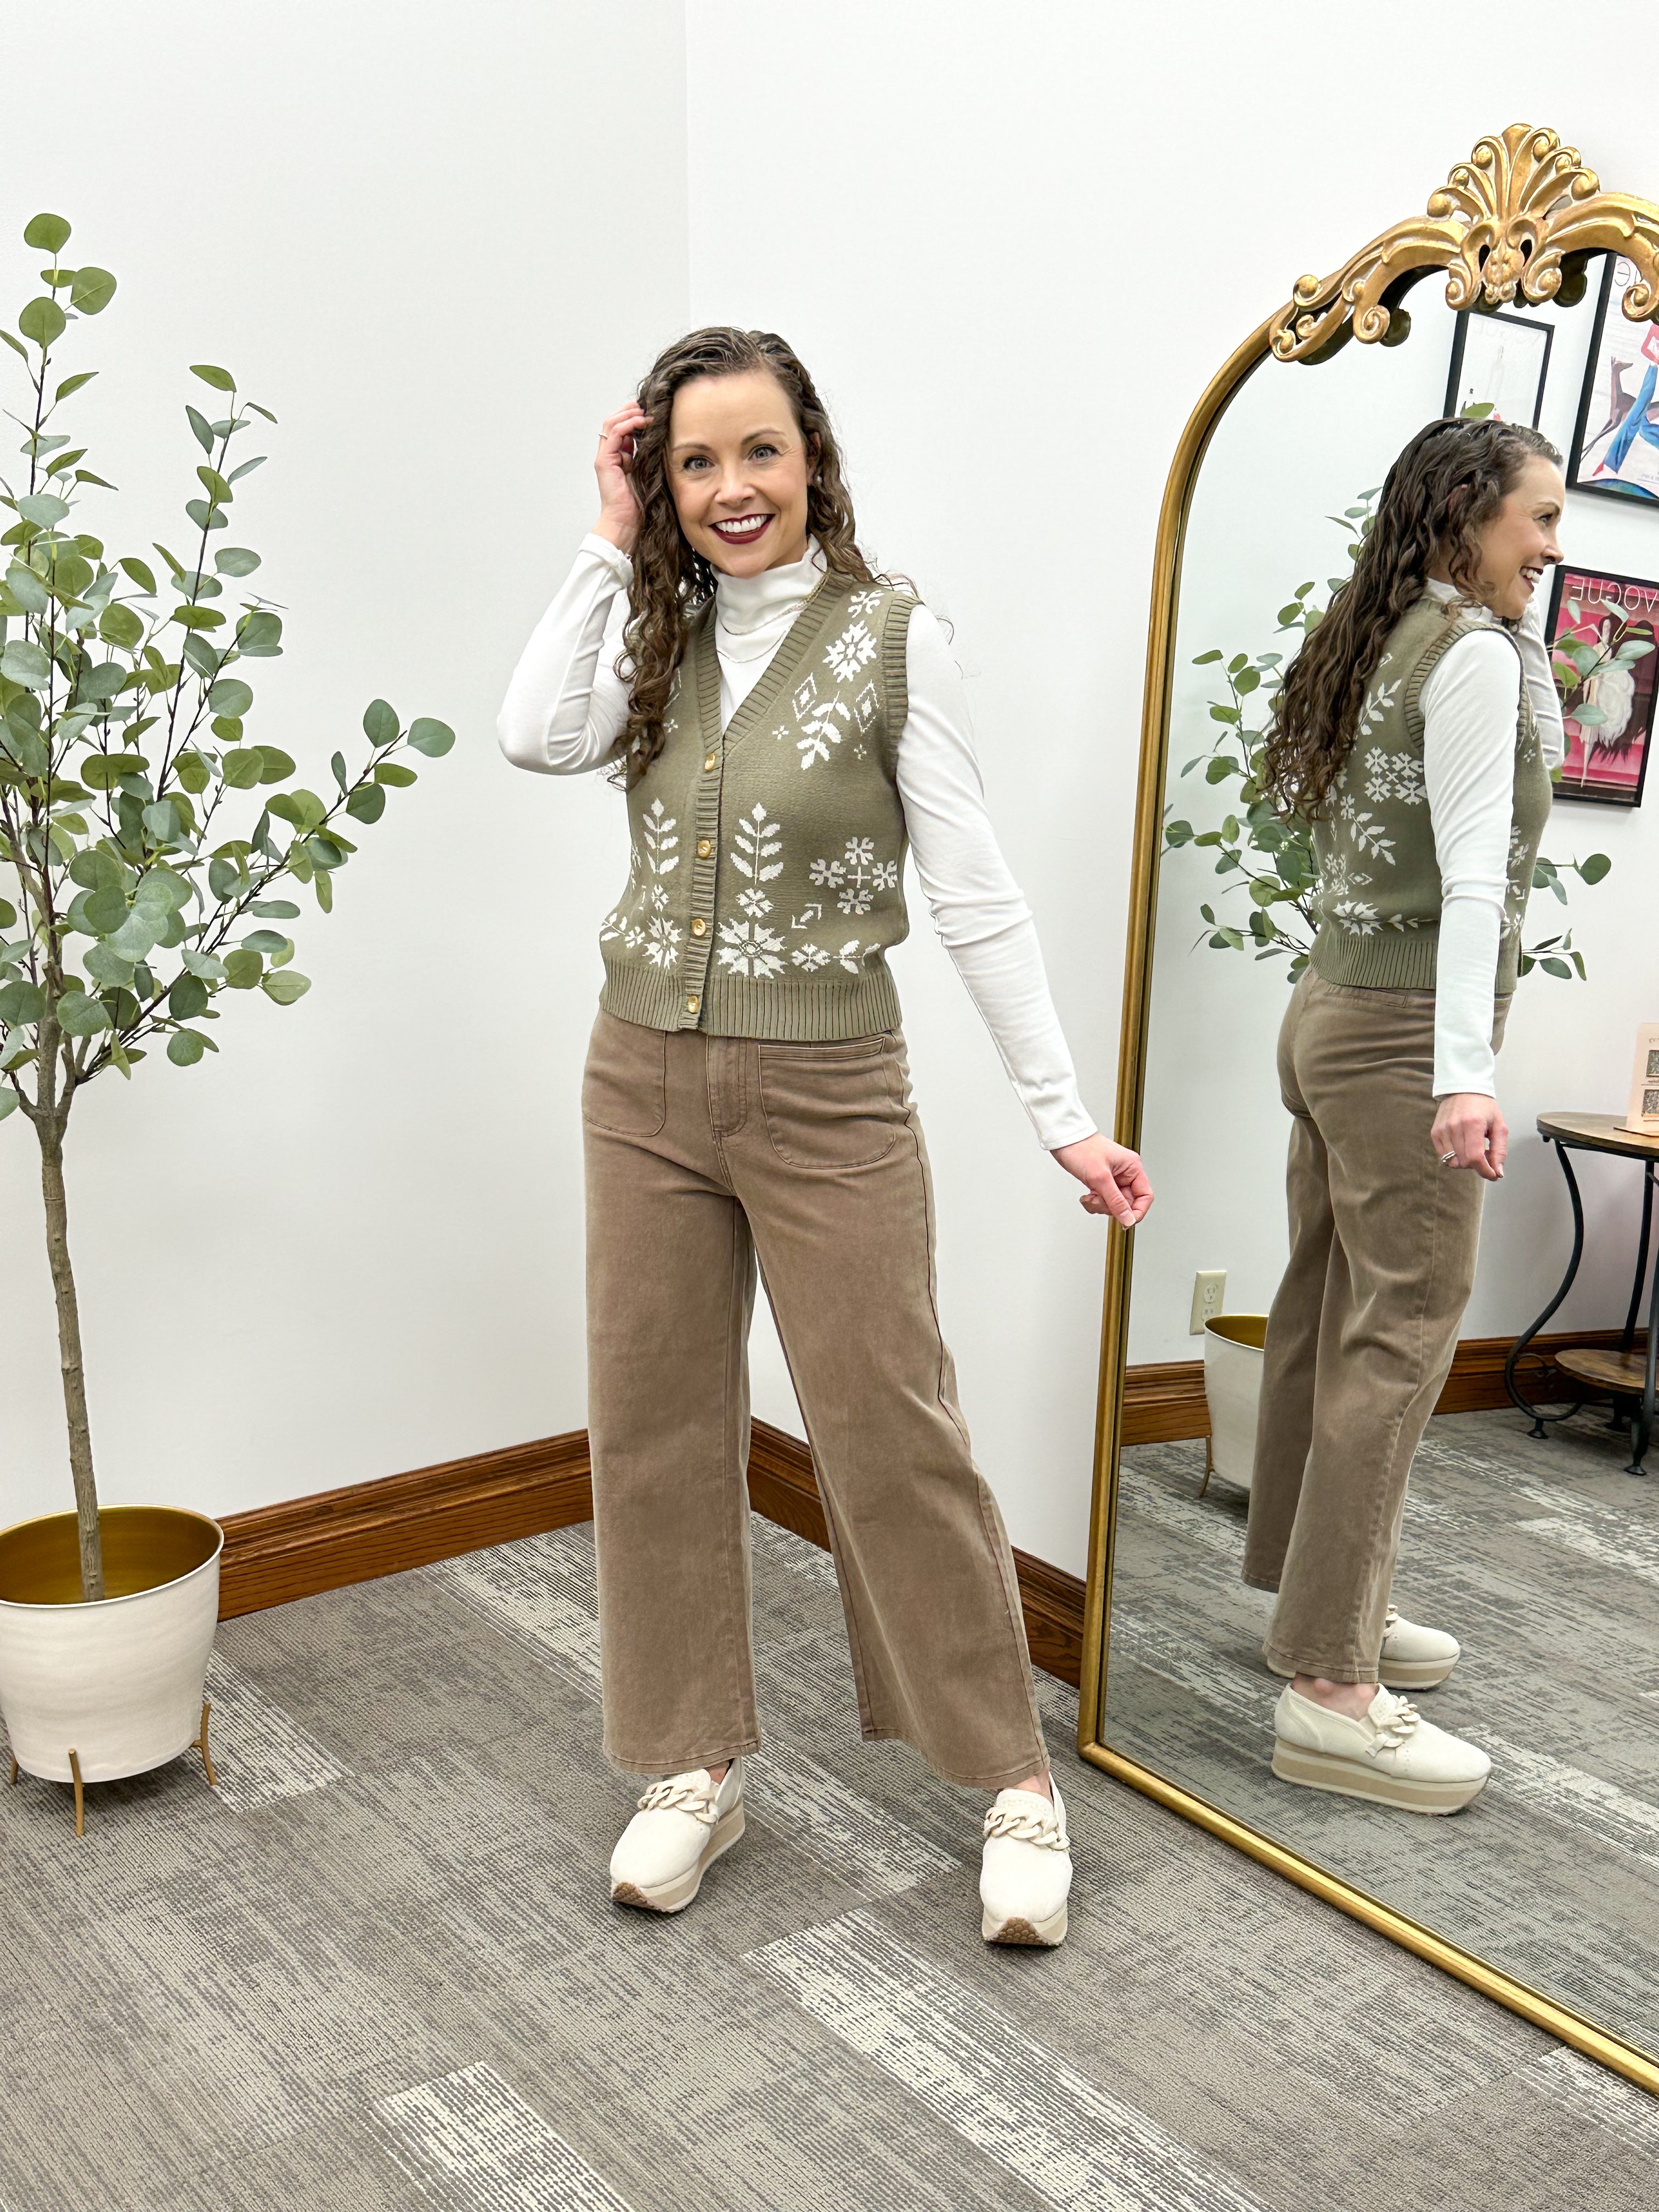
(1603,630)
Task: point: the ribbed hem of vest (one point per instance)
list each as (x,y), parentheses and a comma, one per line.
(1394,960)
(802,1009)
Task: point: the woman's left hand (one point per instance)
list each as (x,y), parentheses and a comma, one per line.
(1116,1180)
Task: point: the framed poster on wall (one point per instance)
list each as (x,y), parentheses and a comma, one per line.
(1615,445)
(1498,365)
(1602,629)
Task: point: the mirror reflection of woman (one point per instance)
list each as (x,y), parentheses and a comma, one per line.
(786,723)
(1416,730)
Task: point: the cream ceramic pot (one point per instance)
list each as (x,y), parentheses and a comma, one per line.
(118,1682)
(1232,1385)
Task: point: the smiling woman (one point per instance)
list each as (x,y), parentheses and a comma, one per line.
(788,724)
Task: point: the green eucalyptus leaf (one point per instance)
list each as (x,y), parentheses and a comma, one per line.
(86,476)
(26,588)
(92,291)
(275,764)
(106,910)
(42,321)
(21,1003)
(81,1015)
(366,803)
(243,969)
(268,941)
(394,773)
(204,516)
(119,625)
(199,617)
(433,739)
(231,697)
(260,635)
(201,428)
(216,488)
(219,378)
(187,999)
(1595,868)
(106,967)
(23,662)
(43,509)
(101,681)
(7,1102)
(235,561)
(257,462)
(275,909)
(192,771)
(203,964)
(285,987)
(380,724)
(241,768)
(50,232)
(185,1047)
(327,853)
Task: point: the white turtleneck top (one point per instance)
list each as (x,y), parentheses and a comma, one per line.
(566,708)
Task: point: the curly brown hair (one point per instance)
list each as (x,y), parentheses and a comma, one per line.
(671,582)
(1440,494)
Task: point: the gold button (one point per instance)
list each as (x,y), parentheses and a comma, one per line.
(709,760)
(699,927)
(704,848)
(691,1006)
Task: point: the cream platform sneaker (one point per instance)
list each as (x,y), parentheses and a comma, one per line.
(1392,1755)
(1025,1874)
(1414,1658)
(683,1825)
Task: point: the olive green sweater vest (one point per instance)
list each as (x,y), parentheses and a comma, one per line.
(766,882)
(1379,880)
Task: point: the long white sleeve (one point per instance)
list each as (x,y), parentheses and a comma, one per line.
(566,705)
(1469,706)
(978,909)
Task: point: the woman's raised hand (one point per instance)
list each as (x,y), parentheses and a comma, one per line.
(1116,1180)
(619,510)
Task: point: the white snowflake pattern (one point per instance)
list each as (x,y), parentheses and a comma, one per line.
(754,903)
(748,948)
(1395,775)
(1354,916)
(863,602)
(811,958)
(856,875)
(863,707)
(850,651)
(848,956)
(662,941)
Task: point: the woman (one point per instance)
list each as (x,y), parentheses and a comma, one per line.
(786,723)
(1416,730)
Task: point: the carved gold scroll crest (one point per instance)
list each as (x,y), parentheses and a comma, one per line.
(1522,215)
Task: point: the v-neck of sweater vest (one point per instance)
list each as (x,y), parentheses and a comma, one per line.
(819,608)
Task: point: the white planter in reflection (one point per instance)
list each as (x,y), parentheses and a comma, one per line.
(118,1683)
(1232,1386)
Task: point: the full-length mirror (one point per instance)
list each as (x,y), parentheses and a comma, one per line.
(1514,1576)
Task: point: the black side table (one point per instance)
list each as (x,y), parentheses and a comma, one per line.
(1625,1374)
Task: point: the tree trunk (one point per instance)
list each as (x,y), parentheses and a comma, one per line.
(50,1131)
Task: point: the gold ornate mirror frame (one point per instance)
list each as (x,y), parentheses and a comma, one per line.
(1522,215)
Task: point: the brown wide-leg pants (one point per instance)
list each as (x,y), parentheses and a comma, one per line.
(1364,1324)
(702,1154)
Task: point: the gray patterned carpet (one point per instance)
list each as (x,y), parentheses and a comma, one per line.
(379,1969)
(1542,1558)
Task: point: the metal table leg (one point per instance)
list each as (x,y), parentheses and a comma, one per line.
(1519,1347)
(1641,1426)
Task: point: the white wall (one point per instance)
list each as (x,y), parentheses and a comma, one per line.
(351,1243)
(440,243)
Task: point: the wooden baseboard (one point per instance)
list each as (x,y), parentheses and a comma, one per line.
(308,1545)
(1164,1403)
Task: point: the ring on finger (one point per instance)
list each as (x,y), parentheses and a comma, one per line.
(1449,1159)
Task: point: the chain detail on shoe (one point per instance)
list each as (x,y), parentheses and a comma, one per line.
(674,1796)
(1027,1828)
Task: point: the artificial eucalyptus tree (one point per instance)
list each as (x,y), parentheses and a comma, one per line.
(144,833)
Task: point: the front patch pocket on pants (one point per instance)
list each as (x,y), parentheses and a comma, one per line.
(832,1105)
(625,1082)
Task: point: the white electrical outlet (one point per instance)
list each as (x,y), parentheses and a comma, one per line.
(1209,1291)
